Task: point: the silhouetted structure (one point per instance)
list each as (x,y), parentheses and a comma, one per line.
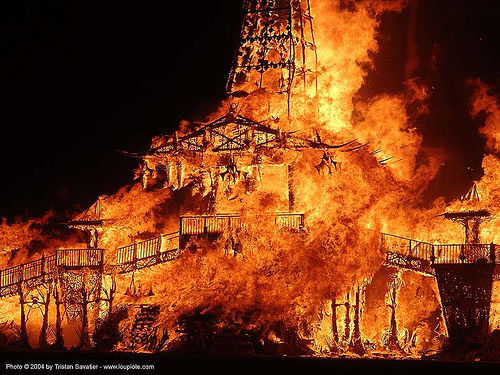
(464,274)
(276,47)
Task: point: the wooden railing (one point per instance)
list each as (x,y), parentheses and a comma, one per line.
(138,250)
(27,271)
(79,257)
(205,224)
(125,254)
(464,253)
(208,223)
(289,220)
(439,254)
(147,253)
(406,246)
(138,255)
(46,266)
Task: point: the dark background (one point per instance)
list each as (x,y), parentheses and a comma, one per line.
(82,79)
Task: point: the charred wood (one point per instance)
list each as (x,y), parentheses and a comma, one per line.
(356,344)
(23,332)
(42,341)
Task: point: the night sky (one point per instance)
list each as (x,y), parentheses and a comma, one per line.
(83,79)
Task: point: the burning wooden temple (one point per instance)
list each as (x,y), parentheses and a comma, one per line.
(233,162)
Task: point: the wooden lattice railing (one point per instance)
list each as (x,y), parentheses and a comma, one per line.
(42,270)
(206,224)
(147,253)
(419,256)
(132,257)
(79,257)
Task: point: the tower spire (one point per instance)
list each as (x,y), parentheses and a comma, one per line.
(277,51)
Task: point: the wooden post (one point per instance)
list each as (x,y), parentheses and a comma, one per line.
(291,195)
(84,337)
(101,258)
(59,343)
(24,332)
(134,267)
(93,238)
(42,271)
(347,320)
(335,332)
(393,342)
(179,173)
(214,181)
(182,239)
(356,345)
(462,253)
(111,295)
(158,250)
(42,340)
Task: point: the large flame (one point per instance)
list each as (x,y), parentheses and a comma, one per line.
(288,277)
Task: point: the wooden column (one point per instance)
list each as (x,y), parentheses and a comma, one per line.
(212,205)
(59,343)
(291,195)
(112,291)
(42,340)
(158,250)
(392,342)
(24,332)
(84,336)
(134,267)
(347,320)
(356,344)
(335,332)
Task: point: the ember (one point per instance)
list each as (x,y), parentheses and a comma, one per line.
(288,223)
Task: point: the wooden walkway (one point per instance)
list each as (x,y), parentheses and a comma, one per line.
(148,253)
(208,224)
(130,258)
(420,256)
(44,270)
(401,252)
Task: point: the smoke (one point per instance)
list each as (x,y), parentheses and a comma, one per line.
(412,60)
(486,103)
(25,239)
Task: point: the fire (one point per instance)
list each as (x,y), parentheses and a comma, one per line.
(266,219)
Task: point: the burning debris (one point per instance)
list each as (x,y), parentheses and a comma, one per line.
(265,230)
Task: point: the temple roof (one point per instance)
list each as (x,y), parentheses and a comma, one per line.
(233,132)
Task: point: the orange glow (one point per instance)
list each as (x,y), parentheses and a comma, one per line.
(265,268)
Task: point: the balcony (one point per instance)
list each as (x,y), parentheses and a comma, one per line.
(216,224)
